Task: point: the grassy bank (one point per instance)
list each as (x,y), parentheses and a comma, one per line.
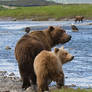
(46,12)
(73,90)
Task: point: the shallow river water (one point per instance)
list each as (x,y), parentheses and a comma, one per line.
(77,72)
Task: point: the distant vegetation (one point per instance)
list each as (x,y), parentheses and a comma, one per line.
(56,12)
(25,2)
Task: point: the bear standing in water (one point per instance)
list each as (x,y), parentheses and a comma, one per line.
(79,18)
(33,43)
(48,66)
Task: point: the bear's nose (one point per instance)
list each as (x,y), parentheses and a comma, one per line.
(70,36)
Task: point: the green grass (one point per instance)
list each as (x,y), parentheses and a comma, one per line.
(73,90)
(45,12)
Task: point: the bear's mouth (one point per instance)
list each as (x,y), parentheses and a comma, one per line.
(66,40)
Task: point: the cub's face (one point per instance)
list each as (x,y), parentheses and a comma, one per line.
(63,55)
(59,35)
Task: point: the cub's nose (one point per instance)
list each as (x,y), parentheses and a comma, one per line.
(72,57)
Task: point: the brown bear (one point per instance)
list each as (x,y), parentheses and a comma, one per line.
(31,44)
(79,18)
(48,66)
(74,28)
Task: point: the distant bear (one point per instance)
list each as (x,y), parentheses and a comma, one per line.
(33,43)
(74,28)
(48,66)
(79,18)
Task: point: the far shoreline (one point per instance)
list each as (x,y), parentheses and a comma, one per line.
(49,19)
(46,13)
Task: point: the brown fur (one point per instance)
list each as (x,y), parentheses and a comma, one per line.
(79,18)
(31,44)
(48,66)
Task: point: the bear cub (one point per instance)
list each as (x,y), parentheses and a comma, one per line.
(48,66)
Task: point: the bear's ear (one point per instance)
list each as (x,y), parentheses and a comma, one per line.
(51,28)
(62,47)
(56,50)
(27,29)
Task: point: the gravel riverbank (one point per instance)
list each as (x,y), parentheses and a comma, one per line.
(12,83)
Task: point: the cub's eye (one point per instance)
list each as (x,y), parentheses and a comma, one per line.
(65,54)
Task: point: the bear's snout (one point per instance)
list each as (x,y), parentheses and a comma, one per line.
(70,37)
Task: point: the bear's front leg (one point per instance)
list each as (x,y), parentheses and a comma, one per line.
(26,83)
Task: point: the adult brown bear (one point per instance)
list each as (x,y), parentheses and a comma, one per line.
(31,44)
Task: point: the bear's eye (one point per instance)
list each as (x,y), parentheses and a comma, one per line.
(63,31)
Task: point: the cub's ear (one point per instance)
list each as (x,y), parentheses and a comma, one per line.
(51,28)
(56,50)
